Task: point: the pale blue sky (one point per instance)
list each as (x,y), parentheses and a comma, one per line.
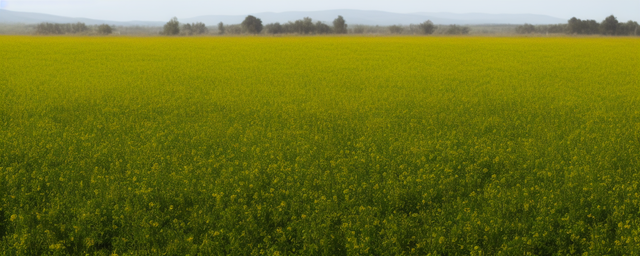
(124,10)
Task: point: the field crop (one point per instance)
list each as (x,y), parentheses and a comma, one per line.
(319,146)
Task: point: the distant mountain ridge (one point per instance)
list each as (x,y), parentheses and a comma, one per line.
(353,17)
(34,18)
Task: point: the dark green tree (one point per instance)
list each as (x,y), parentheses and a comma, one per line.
(198,28)
(252,25)
(221,28)
(322,28)
(104,29)
(427,27)
(274,28)
(610,25)
(340,25)
(457,30)
(583,27)
(525,29)
(78,27)
(629,28)
(186,29)
(395,29)
(575,25)
(194,29)
(172,27)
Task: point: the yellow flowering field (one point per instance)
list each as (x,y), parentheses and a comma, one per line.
(319,146)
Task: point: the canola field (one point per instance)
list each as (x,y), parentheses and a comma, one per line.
(319,146)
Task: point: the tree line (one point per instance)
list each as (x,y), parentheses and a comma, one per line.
(609,26)
(173,28)
(306,26)
(46,28)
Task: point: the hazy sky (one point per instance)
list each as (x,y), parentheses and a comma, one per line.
(124,10)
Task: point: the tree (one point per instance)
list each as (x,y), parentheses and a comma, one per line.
(359,29)
(609,25)
(252,25)
(307,26)
(427,27)
(525,29)
(56,28)
(104,29)
(49,28)
(186,29)
(577,26)
(220,28)
(78,27)
(194,29)
(457,30)
(172,27)
(590,27)
(574,25)
(395,29)
(274,28)
(322,28)
(198,28)
(340,25)
(555,28)
(629,28)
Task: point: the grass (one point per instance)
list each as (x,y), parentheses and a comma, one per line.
(319,146)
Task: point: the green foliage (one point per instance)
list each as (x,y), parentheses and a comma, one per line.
(303,26)
(104,29)
(46,28)
(322,28)
(319,146)
(274,28)
(221,28)
(525,29)
(457,30)
(252,25)
(610,25)
(395,29)
(628,28)
(172,27)
(194,29)
(427,27)
(340,25)
(584,27)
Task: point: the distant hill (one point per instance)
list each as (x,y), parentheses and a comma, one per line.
(351,16)
(33,18)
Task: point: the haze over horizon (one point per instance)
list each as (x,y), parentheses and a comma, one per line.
(121,10)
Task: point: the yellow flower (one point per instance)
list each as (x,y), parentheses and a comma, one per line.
(56,246)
